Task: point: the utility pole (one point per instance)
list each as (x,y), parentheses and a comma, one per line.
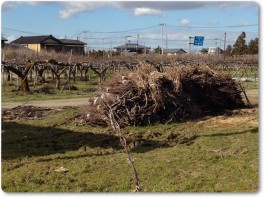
(225,46)
(216,46)
(103,48)
(126,43)
(137,41)
(85,37)
(145,49)
(37,47)
(111,49)
(162,25)
(166,44)
(190,44)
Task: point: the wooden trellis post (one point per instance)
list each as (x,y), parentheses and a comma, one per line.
(3,84)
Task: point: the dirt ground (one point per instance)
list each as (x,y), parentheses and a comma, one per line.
(252,94)
(49,103)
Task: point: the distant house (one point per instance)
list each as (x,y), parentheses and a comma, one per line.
(14,46)
(50,43)
(215,50)
(75,45)
(3,40)
(174,51)
(132,47)
(39,43)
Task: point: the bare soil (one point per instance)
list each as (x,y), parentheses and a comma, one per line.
(49,103)
(25,112)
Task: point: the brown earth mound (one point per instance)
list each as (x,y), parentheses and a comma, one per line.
(45,90)
(147,97)
(25,112)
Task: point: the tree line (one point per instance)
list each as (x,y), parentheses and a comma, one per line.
(240,47)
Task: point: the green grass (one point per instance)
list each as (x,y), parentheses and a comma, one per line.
(215,154)
(250,85)
(248,72)
(242,74)
(85,89)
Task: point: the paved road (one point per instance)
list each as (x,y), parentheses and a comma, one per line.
(50,103)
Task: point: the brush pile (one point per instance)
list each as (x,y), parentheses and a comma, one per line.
(147,96)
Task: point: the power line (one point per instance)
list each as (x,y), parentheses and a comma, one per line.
(21,31)
(137,29)
(122,31)
(145,37)
(100,38)
(156,39)
(25,32)
(213,27)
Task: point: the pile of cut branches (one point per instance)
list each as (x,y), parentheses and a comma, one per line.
(147,96)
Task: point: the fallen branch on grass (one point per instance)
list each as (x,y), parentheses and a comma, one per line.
(123,141)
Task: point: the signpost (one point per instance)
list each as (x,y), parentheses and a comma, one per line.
(198,40)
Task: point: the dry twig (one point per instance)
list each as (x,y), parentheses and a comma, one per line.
(123,141)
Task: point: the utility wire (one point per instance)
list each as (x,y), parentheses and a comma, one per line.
(213,27)
(123,31)
(101,38)
(21,31)
(137,29)
(25,32)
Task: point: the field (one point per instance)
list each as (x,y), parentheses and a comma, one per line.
(211,154)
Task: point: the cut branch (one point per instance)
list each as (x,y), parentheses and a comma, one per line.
(123,141)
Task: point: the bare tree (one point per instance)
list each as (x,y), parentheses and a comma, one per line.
(101,73)
(22,75)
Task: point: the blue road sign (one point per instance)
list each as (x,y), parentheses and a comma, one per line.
(198,40)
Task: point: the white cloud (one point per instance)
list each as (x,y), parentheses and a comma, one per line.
(147,11)
(212,22)
(10,38)
(184,22)
(245,23)
(9,6)
(73,8)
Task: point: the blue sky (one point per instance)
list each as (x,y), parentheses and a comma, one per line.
(104,24)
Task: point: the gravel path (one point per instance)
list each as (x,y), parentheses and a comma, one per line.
(50,103)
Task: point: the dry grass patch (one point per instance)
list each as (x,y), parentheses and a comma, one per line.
(239,117)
